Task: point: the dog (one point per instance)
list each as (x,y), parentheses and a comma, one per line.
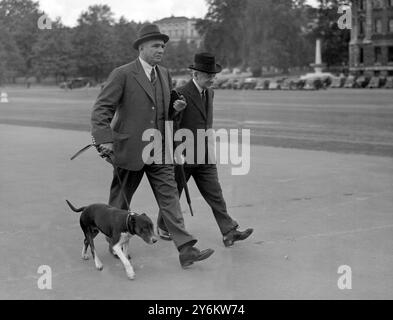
(118,226)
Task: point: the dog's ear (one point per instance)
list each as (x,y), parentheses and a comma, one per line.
(144,214)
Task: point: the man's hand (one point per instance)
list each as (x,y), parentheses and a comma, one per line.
(180,105)
(105,149)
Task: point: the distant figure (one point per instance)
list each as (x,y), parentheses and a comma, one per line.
(28,83)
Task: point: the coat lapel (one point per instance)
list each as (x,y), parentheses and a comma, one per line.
(196,98)
(142,79)
(165,89)
(209,103)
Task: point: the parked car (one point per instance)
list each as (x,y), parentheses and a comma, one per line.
(292,84)
(75,83)
(238,84)
(350,82)
(262,84)
(275,84)
(375,82)
(389,83)
(337,82)
(228,84)
(250,83)
(314,84)
(361,82)
(218,82)
(286,84)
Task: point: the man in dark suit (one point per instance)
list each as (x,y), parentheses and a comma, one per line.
(198,114)
(134,99)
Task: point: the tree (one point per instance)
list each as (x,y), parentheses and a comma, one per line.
(95,43)
(10,57)
(20,21)
(53,53)
(335,51)
(224,30)
(125,33)
(256,33)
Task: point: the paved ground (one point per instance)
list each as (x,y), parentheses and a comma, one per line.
(312,211)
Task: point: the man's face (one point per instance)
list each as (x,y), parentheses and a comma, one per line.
(205,80)
(152,51)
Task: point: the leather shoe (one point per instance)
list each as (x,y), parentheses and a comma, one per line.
(235,235)
(165,235)
(189,255)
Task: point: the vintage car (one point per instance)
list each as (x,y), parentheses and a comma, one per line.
(75,83)
(249,83)
(262,84)
(375,82)
(389,83)
(337,82)
(361,82)
(350,82)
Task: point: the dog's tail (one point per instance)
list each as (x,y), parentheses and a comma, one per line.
(73,208)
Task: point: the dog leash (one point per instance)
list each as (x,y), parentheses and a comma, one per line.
(109,158)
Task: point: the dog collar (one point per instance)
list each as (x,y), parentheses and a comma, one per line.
(131,217)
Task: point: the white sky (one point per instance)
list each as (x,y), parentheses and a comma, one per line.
(137,10)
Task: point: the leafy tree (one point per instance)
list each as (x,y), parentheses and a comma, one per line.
(95,43)
(335,51)
(125,33)
(53,53)
(20,20)
(256,33)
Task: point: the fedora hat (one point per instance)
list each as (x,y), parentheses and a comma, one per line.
(149,32)
(205,62)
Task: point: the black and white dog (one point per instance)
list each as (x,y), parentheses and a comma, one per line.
(118,226)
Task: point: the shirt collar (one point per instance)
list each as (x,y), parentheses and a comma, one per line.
(198,86)
(147,67)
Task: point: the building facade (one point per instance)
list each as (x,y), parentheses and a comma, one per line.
(371,45)
(180,28)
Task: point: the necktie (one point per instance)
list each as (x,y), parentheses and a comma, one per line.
(204,100)
(153,76)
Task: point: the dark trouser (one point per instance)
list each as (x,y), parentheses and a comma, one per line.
(163,184)
(206,179)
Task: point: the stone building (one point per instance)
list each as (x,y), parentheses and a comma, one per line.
(371,45)
(180,28)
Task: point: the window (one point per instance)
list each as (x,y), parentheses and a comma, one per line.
(377,54)
(390,54)
(362,4)
(361,55)
(361,27)
(378,26)
(390,26)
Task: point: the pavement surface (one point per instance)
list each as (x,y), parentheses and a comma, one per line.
(312,211)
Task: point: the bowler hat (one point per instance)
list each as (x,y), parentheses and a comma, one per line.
(149,32)
(205,62)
